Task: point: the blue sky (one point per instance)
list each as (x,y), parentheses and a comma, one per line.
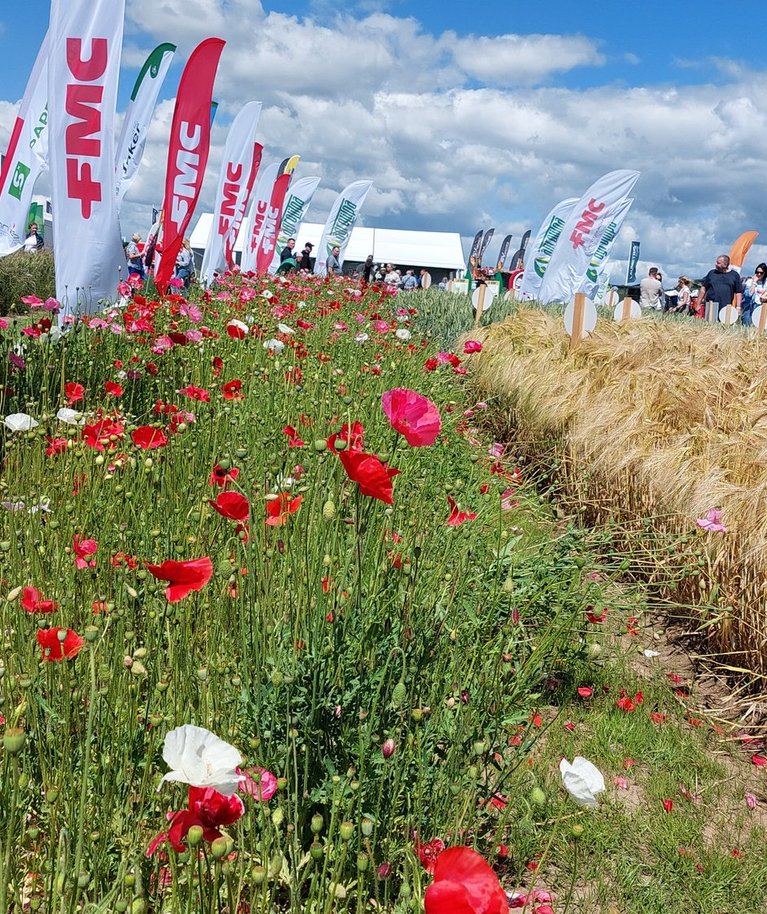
(467,115)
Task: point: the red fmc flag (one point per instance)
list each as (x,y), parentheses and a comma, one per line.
(236,224)
(187,151)
(273,218)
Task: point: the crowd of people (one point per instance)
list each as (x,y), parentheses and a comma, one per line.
(720,287)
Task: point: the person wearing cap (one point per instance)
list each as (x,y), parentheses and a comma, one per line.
(304,259)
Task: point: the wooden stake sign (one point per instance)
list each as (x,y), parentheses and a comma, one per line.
(627,310)
(479,303)
(759,317)
(580,318)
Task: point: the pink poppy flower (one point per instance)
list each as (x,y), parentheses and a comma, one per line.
(412,415)
(712,521)
(83,549)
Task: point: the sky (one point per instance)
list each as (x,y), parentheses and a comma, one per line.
(472,115)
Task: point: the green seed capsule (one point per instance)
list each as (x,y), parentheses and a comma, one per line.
(399,694)
(329,510)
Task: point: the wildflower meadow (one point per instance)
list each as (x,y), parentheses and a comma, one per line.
(282,628)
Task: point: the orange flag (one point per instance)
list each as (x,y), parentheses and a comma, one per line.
(741,248)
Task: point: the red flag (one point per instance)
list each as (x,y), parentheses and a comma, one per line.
(273,218)
(188,150)
(234,228)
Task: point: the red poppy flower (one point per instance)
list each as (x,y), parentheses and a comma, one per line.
(231,505)
(54,649)
(221,477)
(585,691)
(231,390)
(353,437)
(412,415)
(33,602)
(668,805)
(196,393)
(457,517)
(113,388)
(294,439)
(100,434)
(464,883)
(372,475)
(74,392)
(595,618)
(182,577)
(207,808)
(278,509)
(83,548)
(428,853)
(56,446)
(472,346)
(218,366)
(148,438)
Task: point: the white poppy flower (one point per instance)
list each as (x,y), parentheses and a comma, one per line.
(199,758)
(582,780)
(283,328)
(403,334)
(361,338)
(20,422)
(267,294)
(274,346)
(70,416)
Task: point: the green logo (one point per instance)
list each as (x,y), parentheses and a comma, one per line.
(18,180)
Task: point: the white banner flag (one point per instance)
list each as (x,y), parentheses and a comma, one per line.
(261,197)
(581,234)
(293,213)
(26,158)
(138,116)
(594,280)
(232,186)
(338,228)
(539,253)
(83,67)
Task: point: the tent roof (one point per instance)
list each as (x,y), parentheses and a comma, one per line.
(397,246)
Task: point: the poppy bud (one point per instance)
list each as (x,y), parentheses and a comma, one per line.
(138,906)
(277,817)
(537,796)
(329,510)
(13,594)
(13,740)
(388,748)
(218,848)
(399,694)
(593,650)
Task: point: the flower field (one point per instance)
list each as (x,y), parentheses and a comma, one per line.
(263,517)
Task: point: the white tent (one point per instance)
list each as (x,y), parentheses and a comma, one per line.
(435,250)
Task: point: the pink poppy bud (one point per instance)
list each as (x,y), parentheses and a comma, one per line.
(388,748)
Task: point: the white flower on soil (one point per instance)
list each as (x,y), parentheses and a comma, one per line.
(582,780)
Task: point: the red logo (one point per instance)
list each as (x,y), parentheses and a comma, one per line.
(231,191)
(82,138)
(586,223)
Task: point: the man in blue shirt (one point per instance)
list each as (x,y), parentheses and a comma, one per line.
(722,286)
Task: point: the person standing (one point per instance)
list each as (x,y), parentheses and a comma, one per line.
(288,252)
(34,240)
(754,293)
(185,264)
(650,289)
(135,258)
(721,287)
(333,265)
(304,259)
(367,270)
(409,283)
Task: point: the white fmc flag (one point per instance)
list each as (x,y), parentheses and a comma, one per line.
(594,279)
(85,47)
(26,158)
(232,185)
(138,116)
(338,228)
(540,251)
(293,212)
(581,233)
(258,208)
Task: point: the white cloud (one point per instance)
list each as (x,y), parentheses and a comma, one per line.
(463,133)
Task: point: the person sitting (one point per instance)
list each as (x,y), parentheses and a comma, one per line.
(34,240)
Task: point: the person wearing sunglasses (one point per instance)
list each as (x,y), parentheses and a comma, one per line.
(754,293)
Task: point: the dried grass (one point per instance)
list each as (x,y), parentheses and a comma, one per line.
(651,419)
